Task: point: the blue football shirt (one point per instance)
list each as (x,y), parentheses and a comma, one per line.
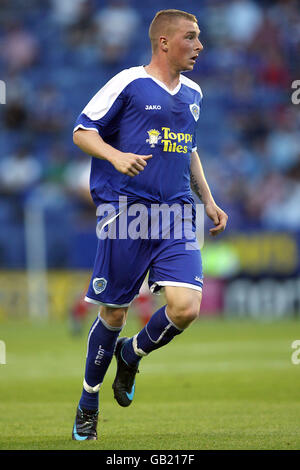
(137,113)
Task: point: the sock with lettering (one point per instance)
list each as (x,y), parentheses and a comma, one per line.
(158,332)
(100,350)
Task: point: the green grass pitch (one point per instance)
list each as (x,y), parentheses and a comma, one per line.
(223,384)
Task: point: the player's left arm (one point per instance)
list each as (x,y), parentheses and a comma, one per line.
(200,186)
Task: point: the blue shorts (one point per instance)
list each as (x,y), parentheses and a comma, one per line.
(122,262)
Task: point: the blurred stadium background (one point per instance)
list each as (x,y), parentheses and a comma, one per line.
(230,381)
(55,54)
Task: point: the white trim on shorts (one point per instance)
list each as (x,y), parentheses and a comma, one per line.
(175,284)
(97,302)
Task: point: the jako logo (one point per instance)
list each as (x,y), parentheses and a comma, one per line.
(152,107)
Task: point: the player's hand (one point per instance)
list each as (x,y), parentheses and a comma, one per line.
(130,164)
(218,216)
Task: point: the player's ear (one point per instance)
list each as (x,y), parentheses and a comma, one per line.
(163,43)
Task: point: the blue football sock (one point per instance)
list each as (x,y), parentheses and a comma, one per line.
(100,350)
(158,332)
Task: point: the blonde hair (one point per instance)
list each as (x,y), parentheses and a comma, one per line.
(164,21)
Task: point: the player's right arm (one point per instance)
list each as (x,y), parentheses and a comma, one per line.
(92,143)
(96,120)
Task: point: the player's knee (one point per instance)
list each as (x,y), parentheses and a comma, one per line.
(184,313)
(115,317)
(187,314)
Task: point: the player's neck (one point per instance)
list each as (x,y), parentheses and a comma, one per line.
(163,73)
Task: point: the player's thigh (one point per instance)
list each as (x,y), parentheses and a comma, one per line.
(119,271)
(176,266)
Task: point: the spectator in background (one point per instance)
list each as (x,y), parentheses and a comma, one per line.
(83,30)
(286,17)
(242,17)
(262,194)
(77,181)
(216,30)
(65,12)
(266,35)
(118,23)
(48,113)
(15,114)
(283,142)
(57,164)
(20,48)
(274,71)
(18,174)
(283,211)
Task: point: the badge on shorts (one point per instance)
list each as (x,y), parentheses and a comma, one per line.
(99,284)
(195,110)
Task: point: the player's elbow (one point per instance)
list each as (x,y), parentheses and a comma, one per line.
(76,138)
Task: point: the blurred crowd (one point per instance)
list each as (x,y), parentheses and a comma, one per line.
(55,55)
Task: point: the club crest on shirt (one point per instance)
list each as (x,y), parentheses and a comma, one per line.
(99,284)
(154,137)
(195,110)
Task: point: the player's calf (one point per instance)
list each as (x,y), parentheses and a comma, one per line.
(159,331)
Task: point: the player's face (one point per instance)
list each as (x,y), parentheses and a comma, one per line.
(184,45)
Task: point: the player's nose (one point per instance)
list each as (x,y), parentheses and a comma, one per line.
(199,46)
